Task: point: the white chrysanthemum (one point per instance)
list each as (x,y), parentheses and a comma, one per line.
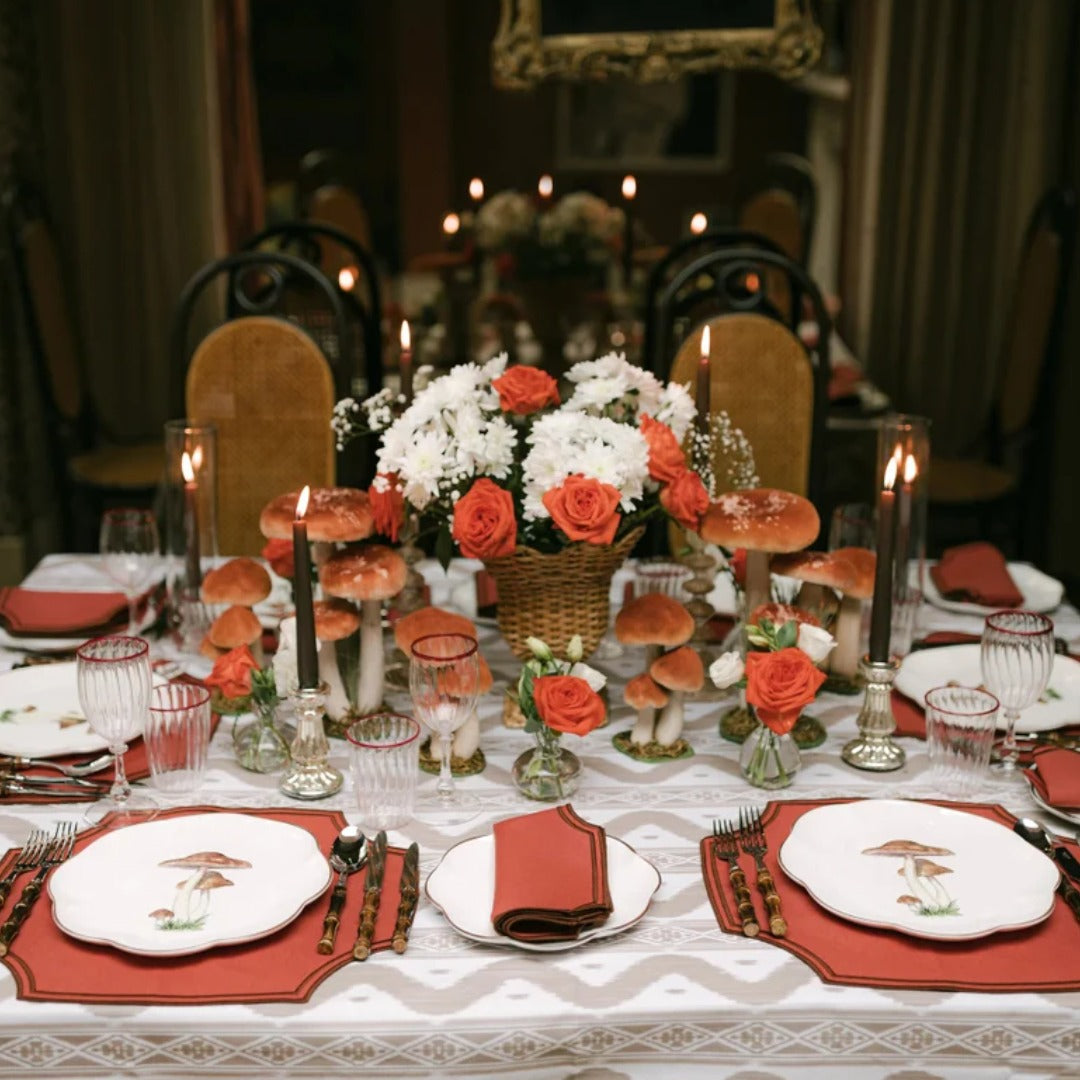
(676,409)
(594,395)
(500,442)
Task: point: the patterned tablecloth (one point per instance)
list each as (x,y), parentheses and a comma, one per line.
(672,997)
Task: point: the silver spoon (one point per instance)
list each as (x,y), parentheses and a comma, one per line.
(1035,834)
(348,854)
(81,768)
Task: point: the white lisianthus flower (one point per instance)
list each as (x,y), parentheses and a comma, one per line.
(539,648)
(726,670)
(597,680)
(815,642)
(575,648)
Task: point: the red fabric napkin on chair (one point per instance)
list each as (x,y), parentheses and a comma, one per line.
(1056,776)
(976,573)
(36,612)
(550,876)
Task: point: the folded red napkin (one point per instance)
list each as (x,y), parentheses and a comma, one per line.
(550,876)
(35,612)
(976,573)
(1056,776)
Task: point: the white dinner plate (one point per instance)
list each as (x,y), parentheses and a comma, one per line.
(462,887)
(1041,592)
(959,664)
(982,877)
(118,892)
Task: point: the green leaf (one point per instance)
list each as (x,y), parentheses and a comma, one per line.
(444,547)
(787,635)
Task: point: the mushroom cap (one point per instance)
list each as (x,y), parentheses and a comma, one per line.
(160,913)
(333,514)
(644,692)
(235,626)
(335,619)
(654,619)
(372,572)
(208,649)
(761,519)
(239,581)
(430,620)
(908,899)
(906,847)
(817,568)
(208,860)
(864,562)
(484,678)
(926,868)
(211,880)
(779,614)
(681,669)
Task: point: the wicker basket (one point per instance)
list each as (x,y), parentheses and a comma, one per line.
(554,597)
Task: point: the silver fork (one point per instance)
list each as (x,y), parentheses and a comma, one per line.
(60,847)
(727,848)
(752,838)
(33,850)
(77,768)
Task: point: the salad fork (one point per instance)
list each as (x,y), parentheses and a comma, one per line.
(752,838)
(727,848)
(33,850)
(60,847)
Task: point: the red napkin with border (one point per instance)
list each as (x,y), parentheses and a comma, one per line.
(550,876)
(38,613)
(1056,776)
(976,573)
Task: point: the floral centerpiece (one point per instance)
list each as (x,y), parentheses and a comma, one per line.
(556,697)
(551,494)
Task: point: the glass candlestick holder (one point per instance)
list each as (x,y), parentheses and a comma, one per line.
(310,776)
(874,750)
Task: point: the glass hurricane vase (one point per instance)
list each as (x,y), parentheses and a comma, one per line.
(261,745)
(768,760)
(548,771)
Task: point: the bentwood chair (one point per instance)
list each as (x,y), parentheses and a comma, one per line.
(1002,493)
(94,471)
(784,205)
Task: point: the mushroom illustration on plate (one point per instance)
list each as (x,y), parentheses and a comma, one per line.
(926,893)
(192,903)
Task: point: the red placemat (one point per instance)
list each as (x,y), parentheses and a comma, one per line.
(1038,959)
(50,966)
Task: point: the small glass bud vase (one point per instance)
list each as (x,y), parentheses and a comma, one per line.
(260,742)
(548,772)
(768,760)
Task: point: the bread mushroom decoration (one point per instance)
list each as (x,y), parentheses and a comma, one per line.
(433,620)
(844,662)
(822,574)
(336,515)
(921,875)
(658,622)
(369,575)
(241,584)
(335,620)
(764,521)
(234,627)
(192,901)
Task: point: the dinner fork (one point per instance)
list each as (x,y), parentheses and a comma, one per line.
(727,848)
(752,838)
(60,847)
(33,850)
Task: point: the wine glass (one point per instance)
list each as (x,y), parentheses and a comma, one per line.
(114,682)
(130,554)
(1017,657)
(444,681)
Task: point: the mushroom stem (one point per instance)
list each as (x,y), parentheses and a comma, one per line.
(811,597)
(642,732)
(758,584)
(844,660)
(182,903)
(369,693)
(913,881)
(669,725)
(337,698)
(467,737)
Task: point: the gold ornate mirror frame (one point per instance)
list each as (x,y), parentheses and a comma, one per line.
(521,56)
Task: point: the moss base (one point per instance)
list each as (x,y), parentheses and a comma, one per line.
(471,766)
(653,752)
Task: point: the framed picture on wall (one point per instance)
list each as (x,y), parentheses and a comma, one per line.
(681,126)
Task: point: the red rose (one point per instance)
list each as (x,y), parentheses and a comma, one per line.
(686,499)
(585,509)
(232,673)
(524,390)
(387,506)
(666,459)
(279,554)
(567,703)
(780,685)
(484,524)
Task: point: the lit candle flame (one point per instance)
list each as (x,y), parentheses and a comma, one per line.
(890,473)
(706,343)
(629,187)
(451,224)
(476,189)
(346,279)
(196,458)
(186,469)
(545,186)
(302,502)
(406,335)
(753,282)
(911,468)
(699,223)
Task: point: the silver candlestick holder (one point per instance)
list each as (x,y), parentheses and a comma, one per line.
(310,776)
(874,749)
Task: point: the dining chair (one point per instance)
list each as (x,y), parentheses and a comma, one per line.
(1002,493)
(783,205)
(94,470)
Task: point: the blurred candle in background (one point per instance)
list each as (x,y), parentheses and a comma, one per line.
(405,361)
(346,279)
(451,224)
(704,376)
(476,190)
(545,186)
(881,614)
(191,517)
(307,658)
(698,223)
(629,193)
